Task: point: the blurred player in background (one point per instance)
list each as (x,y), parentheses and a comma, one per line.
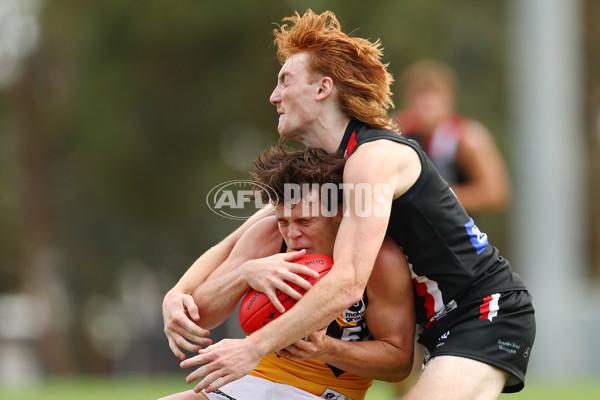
(462,149)
(373,339)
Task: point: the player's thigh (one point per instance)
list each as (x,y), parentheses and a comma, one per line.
(187,395)
(451,377)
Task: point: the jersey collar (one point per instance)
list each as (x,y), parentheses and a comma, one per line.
(349,140)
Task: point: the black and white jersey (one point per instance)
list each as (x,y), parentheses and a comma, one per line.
(447,254)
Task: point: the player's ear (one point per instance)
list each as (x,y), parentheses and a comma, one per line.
(325,88)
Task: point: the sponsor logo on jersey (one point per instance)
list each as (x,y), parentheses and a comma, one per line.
(479,240)
(509,347)
(441,339)
(355,312)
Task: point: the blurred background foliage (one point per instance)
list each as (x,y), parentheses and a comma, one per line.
(122,115)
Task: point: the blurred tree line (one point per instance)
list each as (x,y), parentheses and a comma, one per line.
(128,112)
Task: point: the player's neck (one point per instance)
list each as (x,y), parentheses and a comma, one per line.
(327,132)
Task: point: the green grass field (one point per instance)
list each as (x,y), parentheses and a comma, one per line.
(151,388)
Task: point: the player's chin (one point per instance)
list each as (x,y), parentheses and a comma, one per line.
(308,249)
(281,127)
(287,130)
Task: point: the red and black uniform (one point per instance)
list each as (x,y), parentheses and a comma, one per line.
(441,145)
(468,302)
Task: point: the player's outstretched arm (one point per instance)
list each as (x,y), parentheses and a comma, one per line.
(254,262)
(390,318)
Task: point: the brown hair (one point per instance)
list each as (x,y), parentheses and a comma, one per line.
(279,165)
(363,81)
(426,73)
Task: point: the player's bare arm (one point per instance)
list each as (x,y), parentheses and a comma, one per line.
(394,168)
(390,317)
(487,187)
(217,297)
(180,312)
(254,262)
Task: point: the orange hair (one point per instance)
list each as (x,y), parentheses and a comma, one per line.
(363,81)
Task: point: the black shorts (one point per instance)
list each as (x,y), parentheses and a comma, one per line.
(498,330)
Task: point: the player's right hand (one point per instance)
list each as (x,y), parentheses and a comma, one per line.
(274,272)
(181,318)
(312,346)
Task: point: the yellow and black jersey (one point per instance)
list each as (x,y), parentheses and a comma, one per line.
(317,377)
